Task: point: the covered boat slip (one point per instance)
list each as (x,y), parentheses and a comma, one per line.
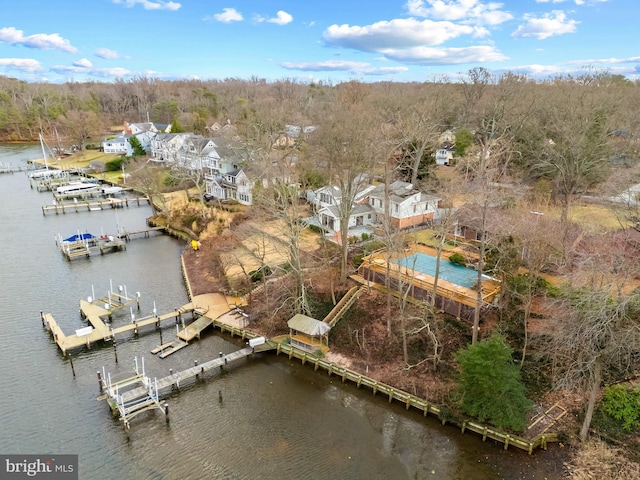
(87,244)
(414,269)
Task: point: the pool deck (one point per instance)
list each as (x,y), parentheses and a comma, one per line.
(467,296)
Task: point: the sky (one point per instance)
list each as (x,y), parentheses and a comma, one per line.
(333,41)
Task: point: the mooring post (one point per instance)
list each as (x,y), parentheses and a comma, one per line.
(195,364)
(115,350)
(221,366)
(42,317)
(100,380)
(73,370)
(166,412)
(161,336)
(220,396)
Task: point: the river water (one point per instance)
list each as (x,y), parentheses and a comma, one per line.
(277,419)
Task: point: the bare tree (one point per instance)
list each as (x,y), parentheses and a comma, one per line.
(345,147)
(575,152)
(597,334)
(80,125)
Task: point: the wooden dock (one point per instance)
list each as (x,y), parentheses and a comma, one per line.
(93,246)
(175,379)
(131,396)
(94,205)
(98,330)
(126,236)
(194,329)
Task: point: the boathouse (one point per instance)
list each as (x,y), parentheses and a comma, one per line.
(308,333)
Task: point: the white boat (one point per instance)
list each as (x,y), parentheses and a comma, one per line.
(77,188)
(114,190)
(47,173)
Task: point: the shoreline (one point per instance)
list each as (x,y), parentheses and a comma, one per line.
(393,393)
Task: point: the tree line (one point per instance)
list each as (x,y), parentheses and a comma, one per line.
(527,144)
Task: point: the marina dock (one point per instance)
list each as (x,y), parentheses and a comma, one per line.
(94,205)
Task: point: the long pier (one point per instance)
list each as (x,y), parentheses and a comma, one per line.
(94,205)
(133,395)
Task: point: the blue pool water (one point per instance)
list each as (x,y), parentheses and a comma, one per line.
(421,262)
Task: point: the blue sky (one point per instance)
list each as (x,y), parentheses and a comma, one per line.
(312,40)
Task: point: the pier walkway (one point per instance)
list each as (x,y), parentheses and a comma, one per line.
(134,395)
(94,205)
(98,330)
(205,310)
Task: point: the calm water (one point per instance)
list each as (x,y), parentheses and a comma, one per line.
(278,419)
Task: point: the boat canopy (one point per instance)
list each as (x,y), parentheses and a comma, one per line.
(79,237)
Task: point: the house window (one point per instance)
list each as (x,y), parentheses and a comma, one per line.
(395,208)
(415,208)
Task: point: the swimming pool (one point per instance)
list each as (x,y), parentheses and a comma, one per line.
(421,262)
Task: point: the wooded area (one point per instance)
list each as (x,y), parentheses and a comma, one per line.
(570,307)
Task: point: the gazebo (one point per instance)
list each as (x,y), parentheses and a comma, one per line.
(308,333)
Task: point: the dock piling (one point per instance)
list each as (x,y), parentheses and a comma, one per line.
(166,412)
(73,370)
(115,350)
(100,380)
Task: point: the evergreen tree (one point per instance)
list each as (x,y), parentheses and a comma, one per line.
(138,151)
(489,384)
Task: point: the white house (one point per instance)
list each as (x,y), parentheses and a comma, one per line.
(231,185)
(407,206)
(119,144)
(361,216)
(165,147)
(444,156)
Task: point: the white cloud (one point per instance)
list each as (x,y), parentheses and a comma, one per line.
(83,63)
(395,34)
(41,41)
(358,68)
(446,56)
(150,5)
(282,18)
(228,15)
(28,65)
(107,53)
(612,60)
(92,72)
(550,24)
(466,11)
(577,2)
